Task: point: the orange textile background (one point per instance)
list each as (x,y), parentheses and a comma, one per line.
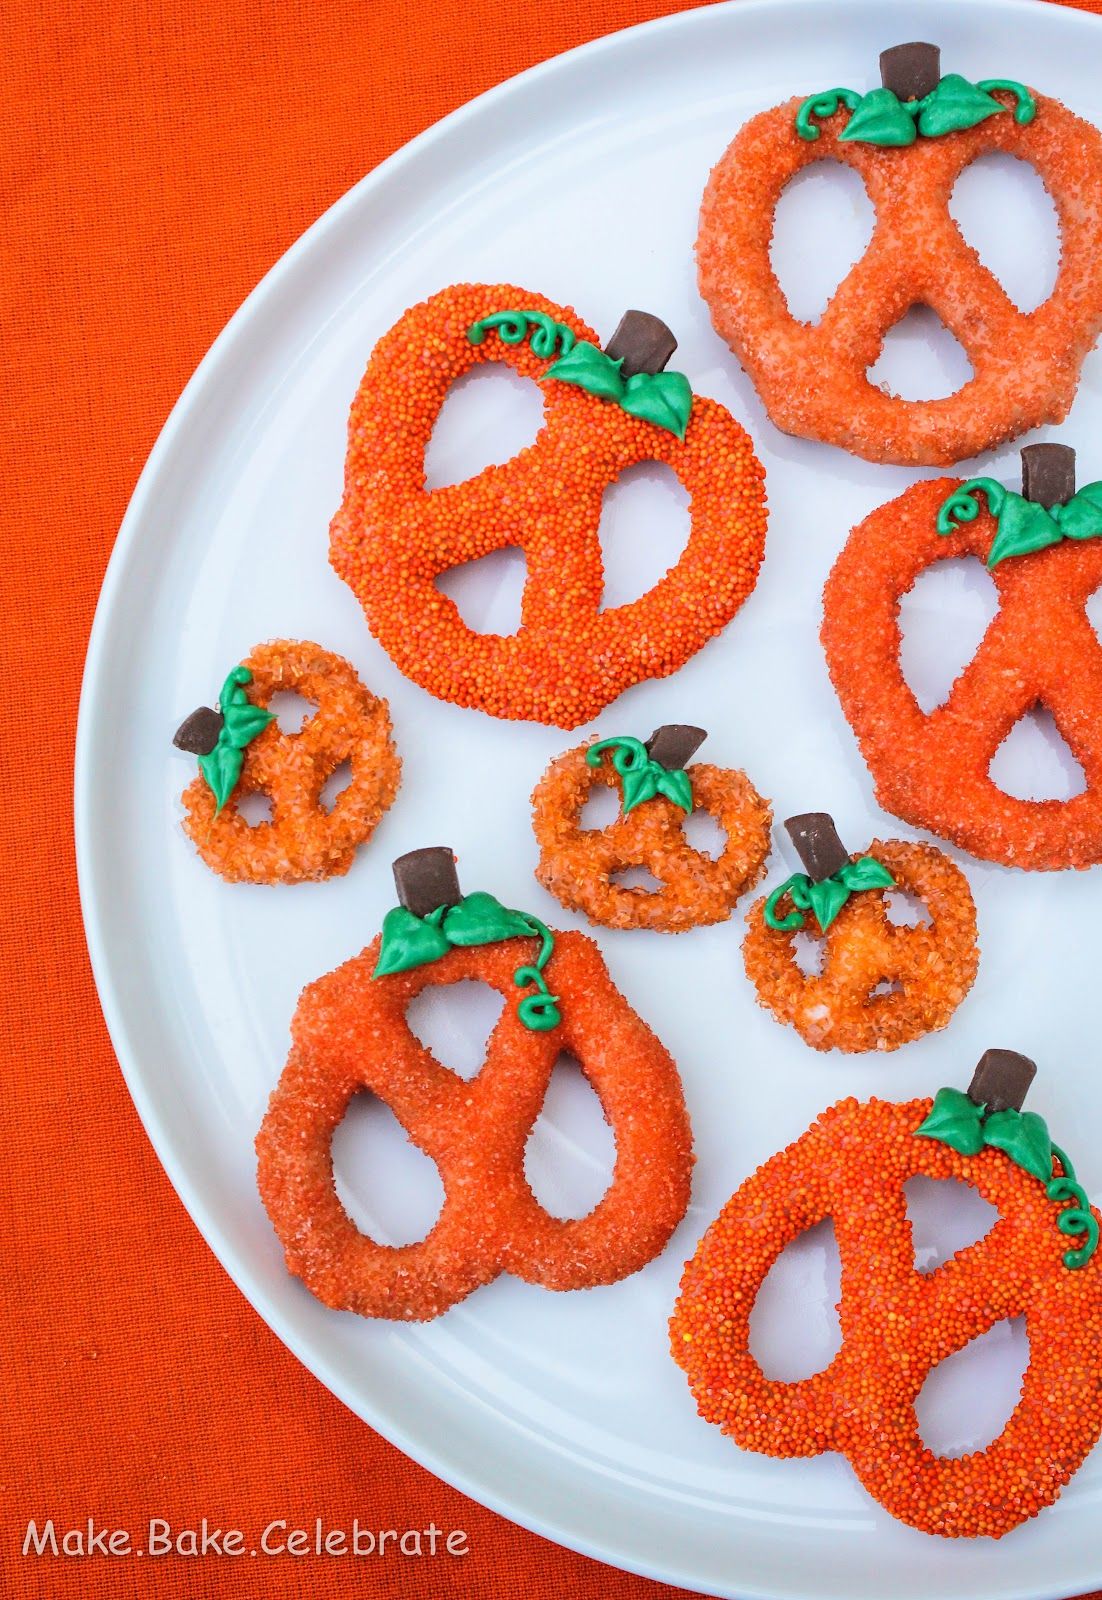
(160,155)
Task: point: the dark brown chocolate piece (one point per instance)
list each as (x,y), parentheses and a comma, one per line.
(426,879)
(198,734)
(1048,473)
(817,844)
(910,71)
(642,342)
(674,744)
(1001,1080)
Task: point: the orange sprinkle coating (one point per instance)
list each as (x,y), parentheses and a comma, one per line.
(813,379)
(933,769)
(392,538)
(898,1323)
(349,1033)
(302,842)
(577,864)
(928,967)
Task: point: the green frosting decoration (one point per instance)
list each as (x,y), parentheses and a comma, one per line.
(1023,1136)
(826,898)
(641,778)
(241,722)
(881,118)
(411,941)
(1023,525)
(663,398)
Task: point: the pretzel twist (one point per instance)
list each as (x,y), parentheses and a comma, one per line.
(350,1034)
(933,769)
(577,864)
(929,967)
(898,1323)
(813,378)
(392,538)
(302,841)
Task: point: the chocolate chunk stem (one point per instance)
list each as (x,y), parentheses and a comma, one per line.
(1001,1080)
(674,744)
(642,342)
(198,733)
(910,71)
(426,879)
(1048,473)
(817,844)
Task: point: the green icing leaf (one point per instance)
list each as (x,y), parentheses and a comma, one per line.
(827,899)
(1024,526)
(865,873)
(677,786)
(242,721)
(1081,517)
(408,941)
(953,105)
(881,119)
(221,767)
(590,369)
(954,1120)
(664,398)
(481,919)
(639,784)
(1024,1137)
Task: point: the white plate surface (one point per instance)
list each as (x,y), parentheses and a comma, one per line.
(580,179)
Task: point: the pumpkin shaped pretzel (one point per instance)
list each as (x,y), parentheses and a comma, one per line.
(242,751)
(909,142)
(577,865)
(392,538)
(1038,1261)
(349,1034)
(881,983)
(1041,650)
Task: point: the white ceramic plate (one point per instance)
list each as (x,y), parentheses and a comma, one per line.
(580,179)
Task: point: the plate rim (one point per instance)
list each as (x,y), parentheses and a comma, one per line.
(388,171)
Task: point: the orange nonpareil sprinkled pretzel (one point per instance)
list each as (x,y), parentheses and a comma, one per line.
(813,378)
(350,1034)
(898,1323)
(1040,650)
(578,865)
(392,537)
(303,841)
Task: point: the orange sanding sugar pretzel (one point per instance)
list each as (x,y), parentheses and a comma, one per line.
(813,378)
(350,1034)
(577,865)
(898,1323)
(933,769)
(881,983)
(392,538)
(302,841)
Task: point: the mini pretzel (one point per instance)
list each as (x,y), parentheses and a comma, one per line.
(350,1033)
(302,841)
(932,769)
(813,378)
(882,984)
(603,412)
(898,1323)
(577,865)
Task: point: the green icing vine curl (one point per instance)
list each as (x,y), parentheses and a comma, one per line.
(881,118)
(1023,525)
(662,398)
(410,941)
(641,778)
(1023,1136)
(241,722)
(826,898)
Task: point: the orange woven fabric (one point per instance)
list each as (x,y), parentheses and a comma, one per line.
(160,155)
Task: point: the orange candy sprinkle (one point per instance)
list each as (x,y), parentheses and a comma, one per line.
(392,538)
(898,1323)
